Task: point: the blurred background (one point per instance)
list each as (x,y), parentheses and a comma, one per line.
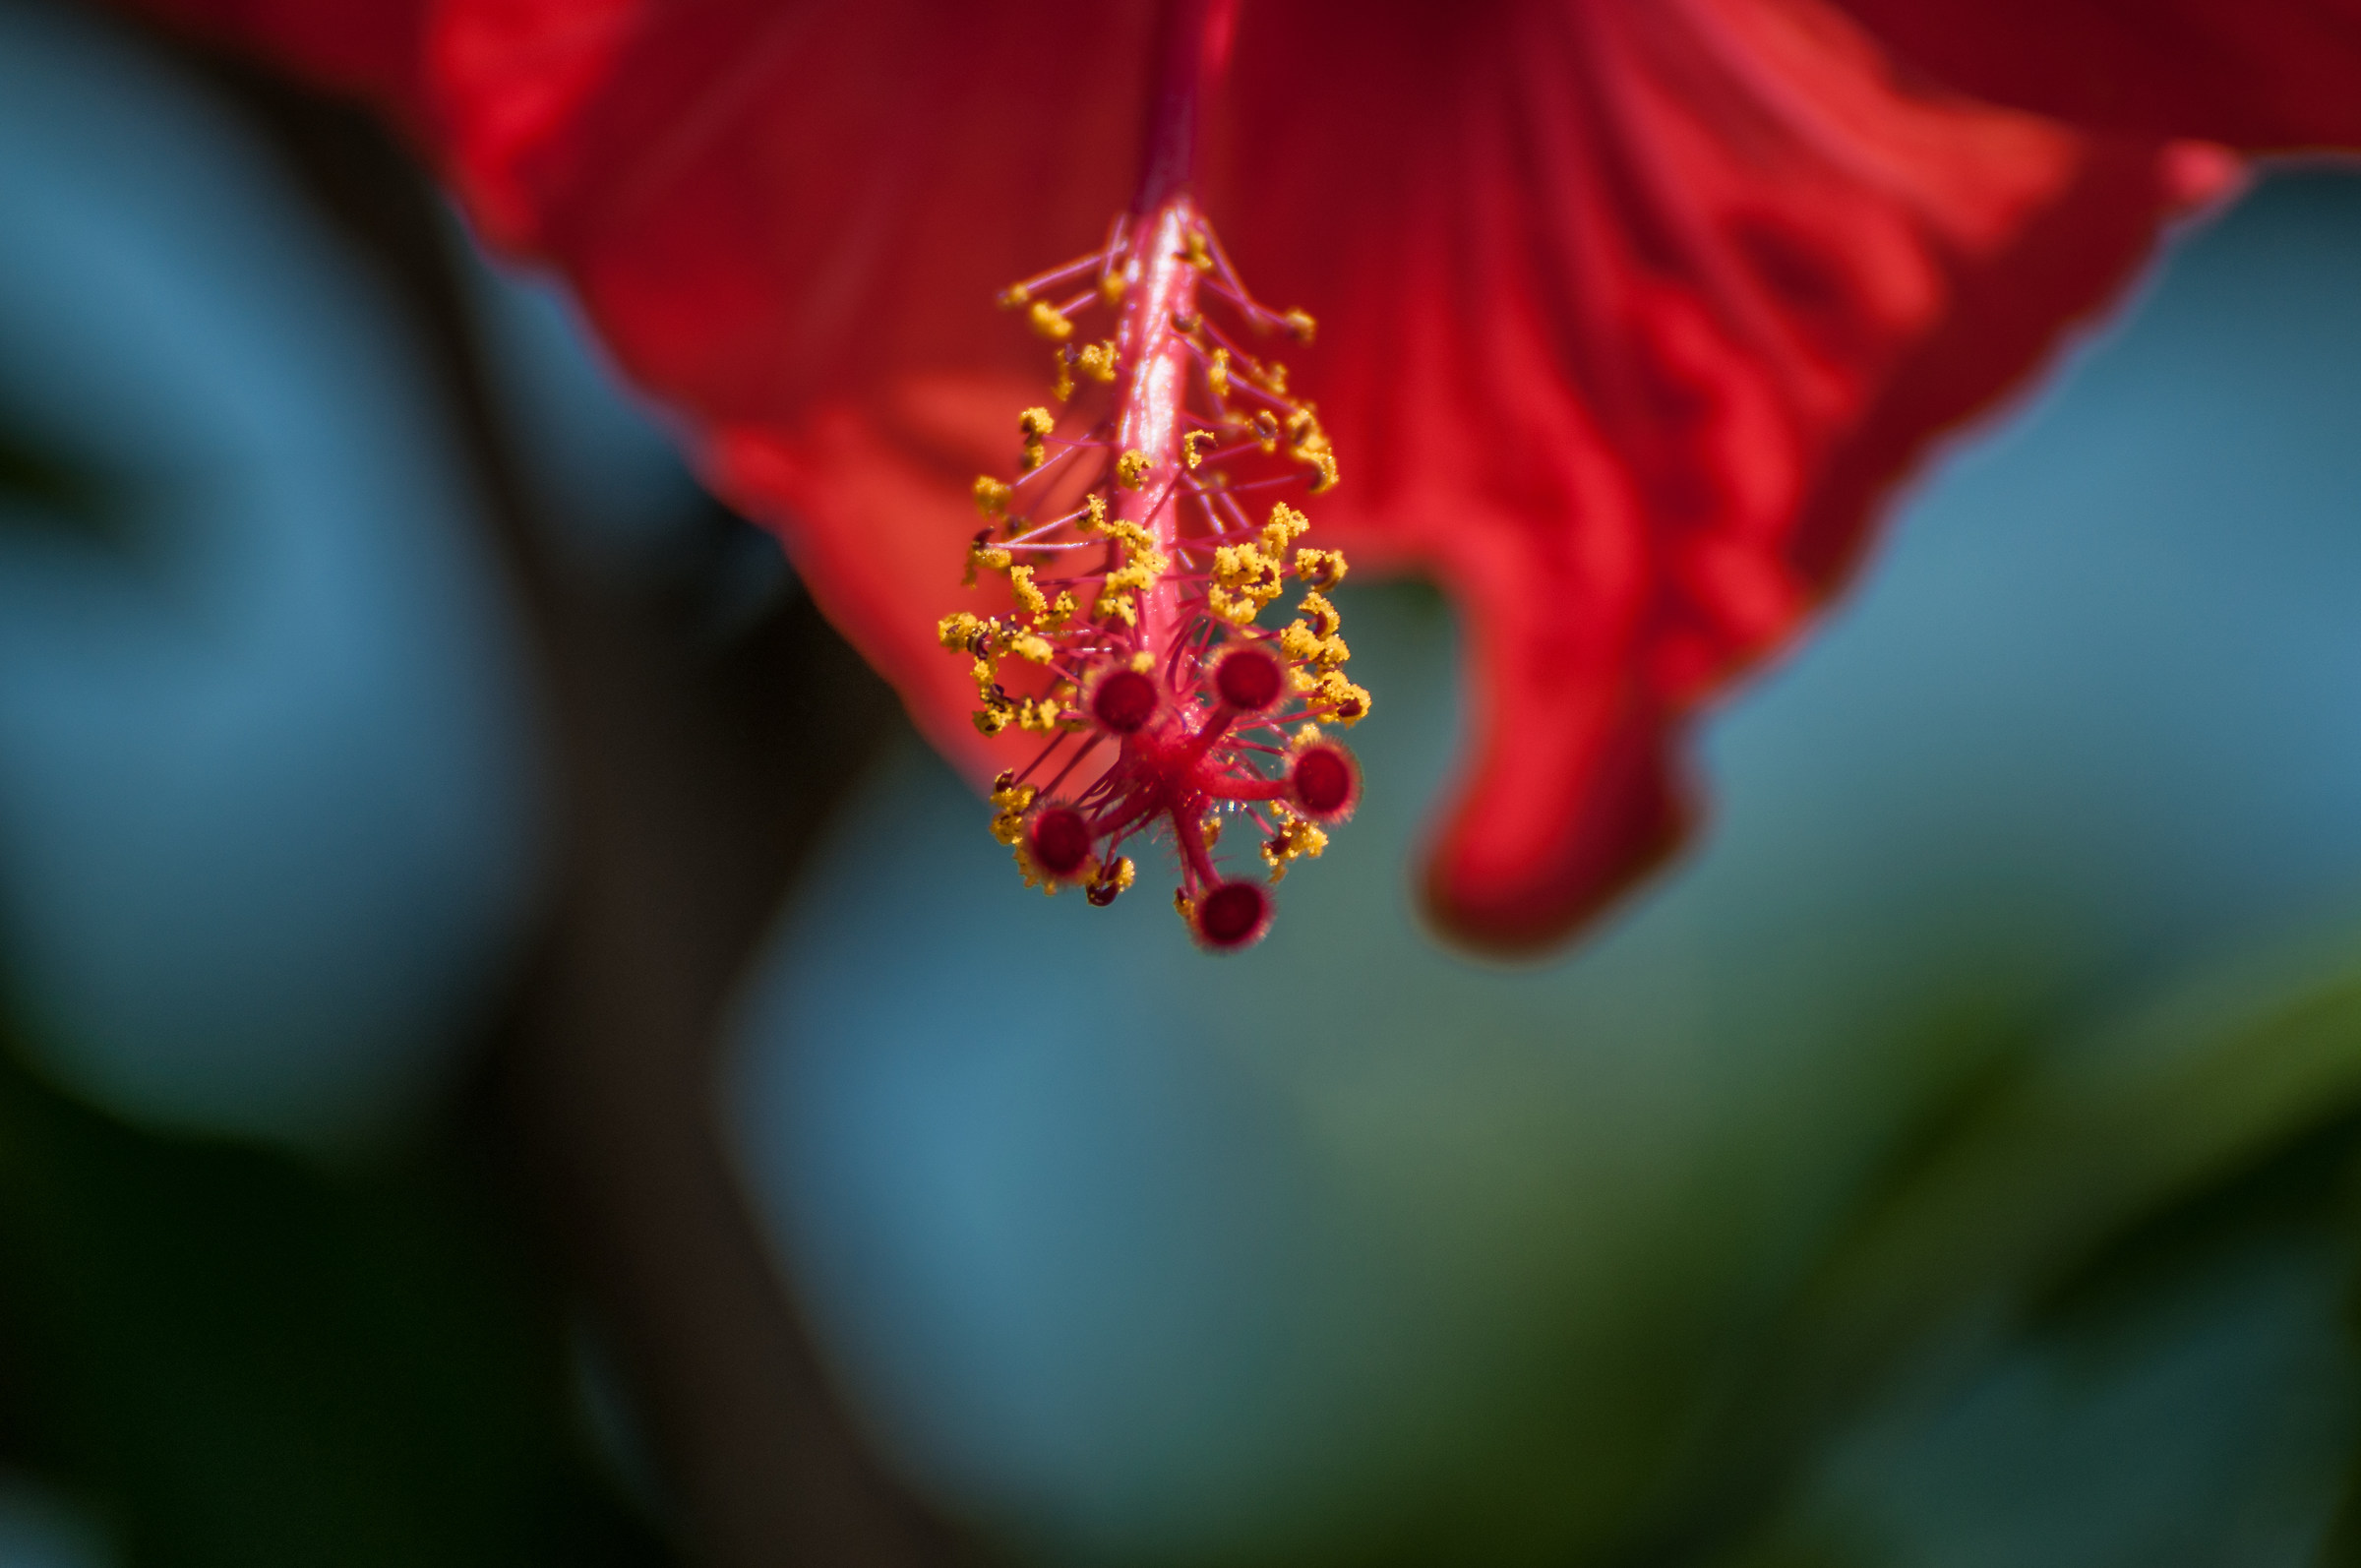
(507,1058)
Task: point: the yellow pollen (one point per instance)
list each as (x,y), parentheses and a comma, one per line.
(1033,602)
(1299,325)
(1110,287)
(1188,447)
(1317,612)
(992,497)
(1130,469)
(1199,256)
(1321,568)
(1015,297)
(1347,704)
(1048,322)
(1098,361)
(985,558)
(1217,374)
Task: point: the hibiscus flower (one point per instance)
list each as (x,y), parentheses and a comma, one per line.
(1629,314)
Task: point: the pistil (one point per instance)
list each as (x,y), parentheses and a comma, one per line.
(1136,571)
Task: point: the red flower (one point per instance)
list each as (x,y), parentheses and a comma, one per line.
(1630,311)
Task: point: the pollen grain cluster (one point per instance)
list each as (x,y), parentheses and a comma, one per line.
(1148,532)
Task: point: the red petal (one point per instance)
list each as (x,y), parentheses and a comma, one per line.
(2257,74)
(1633,312)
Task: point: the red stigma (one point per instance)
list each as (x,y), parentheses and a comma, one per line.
(1250,678)
(1232,916)
(1324,782)
(1124,699)
(1059,839)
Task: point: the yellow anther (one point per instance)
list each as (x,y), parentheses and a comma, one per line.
(1060,611)
(1032,599)
(1033,649)
(1274,376)
(1097,520)
(1216,374)
(1321,568)
(1063,386)
(1297,641)
(1299,325)
(991,721)
(992,497)
(1294,838)
(1200,255)
(1326,462)
(1035,423)
(1015,297)
(1266,429)
(1110,287)
(1307,735)
(1114,878)
(1236,609)
(1140,575)
(1209,828)
(1318,613)
(1182,905)
(1098,361)
(1285,527)
(1009,796)
(1188,447)
(1047,322)
(1131,469)
(1347,704)
(1244,580)
(985,558)
(960,630)
(1143,662)
(1041,718)
(1113,604)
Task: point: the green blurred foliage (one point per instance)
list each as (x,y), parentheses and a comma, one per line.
(242,1362)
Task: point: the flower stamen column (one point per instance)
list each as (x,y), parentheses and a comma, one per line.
(1139,556)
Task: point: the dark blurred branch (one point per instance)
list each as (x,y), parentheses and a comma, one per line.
(691,783)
